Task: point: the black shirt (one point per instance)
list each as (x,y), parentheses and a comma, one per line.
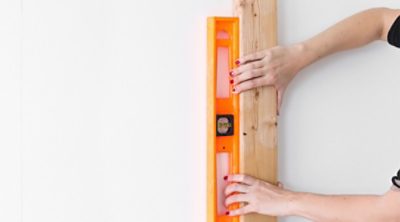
(394,33)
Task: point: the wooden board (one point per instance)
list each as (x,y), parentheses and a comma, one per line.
(258,116)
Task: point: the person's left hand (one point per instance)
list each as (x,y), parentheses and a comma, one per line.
(257,196)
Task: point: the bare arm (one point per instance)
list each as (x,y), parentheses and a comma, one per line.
(353,32)
(331,208)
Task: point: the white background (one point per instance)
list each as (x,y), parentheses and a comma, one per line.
(102,109)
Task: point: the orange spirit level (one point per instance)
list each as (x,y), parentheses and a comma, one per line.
(222,115)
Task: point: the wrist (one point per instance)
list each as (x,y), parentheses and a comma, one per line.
(297,204)
(294,203)
(305,55)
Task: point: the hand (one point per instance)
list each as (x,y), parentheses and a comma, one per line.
(257,196)
(272,67)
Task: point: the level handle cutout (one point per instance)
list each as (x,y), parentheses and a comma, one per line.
(223,73)
(223,163)
(222,35)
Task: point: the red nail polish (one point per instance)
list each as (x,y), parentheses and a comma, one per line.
(227,213)
(234,90)
(225,177)
(237,62)
(231,73)
(231,81)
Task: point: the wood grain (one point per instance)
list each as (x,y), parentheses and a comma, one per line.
(258,115)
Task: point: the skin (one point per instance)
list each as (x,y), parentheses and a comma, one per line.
(277,67)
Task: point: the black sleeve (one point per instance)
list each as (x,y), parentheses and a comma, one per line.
(394,33)
(396,180)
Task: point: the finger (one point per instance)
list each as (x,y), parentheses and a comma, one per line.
(247,75)
(241,178)
(236,187)
(237,198)
(241,211)
(251,57)
(250,84)
(280,97)
(247,67)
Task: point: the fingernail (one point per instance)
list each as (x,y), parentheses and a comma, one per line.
(227,213)
(237,62)
(231,73)
(231,81)
(234,90)
(225,177)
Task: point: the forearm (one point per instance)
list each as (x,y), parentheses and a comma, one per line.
(355,31)
(330,208)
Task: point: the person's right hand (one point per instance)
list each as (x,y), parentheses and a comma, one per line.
(276,67)
(257,196)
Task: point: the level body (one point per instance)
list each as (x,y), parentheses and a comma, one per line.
(222,114)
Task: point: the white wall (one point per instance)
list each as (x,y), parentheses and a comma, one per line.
(102,114)
(10,110)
